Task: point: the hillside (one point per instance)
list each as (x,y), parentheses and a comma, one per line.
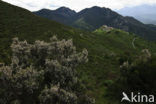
(105,48)
(93,18)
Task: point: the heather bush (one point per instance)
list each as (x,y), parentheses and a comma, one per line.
(43,73)
(136,76)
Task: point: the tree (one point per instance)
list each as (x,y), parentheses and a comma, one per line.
(43,72)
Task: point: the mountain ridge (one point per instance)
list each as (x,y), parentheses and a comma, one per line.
(93,18)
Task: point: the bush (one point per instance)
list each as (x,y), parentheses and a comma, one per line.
(42,73)
(136,76)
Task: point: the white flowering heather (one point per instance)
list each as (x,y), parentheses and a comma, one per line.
(144,57)
(42,73)
(55,94)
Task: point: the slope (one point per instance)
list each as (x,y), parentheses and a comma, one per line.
(105,48)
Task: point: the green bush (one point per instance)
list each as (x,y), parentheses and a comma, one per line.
(137,76)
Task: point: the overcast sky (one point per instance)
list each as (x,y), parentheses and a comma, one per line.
(77,5)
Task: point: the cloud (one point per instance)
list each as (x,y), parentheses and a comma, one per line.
(34,5)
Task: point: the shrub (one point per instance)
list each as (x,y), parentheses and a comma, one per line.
(42,73)
(136,76)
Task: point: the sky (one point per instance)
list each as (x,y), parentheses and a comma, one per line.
(77,5)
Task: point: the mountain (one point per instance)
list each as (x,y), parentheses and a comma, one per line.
(93,18)
(104,48)
(144,13)
(62,14)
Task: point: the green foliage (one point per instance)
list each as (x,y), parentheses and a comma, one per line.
(42,73)
(136,76)
(139,74)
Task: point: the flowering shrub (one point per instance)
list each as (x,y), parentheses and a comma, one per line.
(42,73)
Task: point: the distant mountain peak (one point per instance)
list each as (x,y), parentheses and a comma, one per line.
(65,9)
(96,7)
(95,17)
(44,10)
(60,10)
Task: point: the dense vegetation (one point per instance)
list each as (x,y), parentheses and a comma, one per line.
(43,73)
(136,76)
(107,50)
